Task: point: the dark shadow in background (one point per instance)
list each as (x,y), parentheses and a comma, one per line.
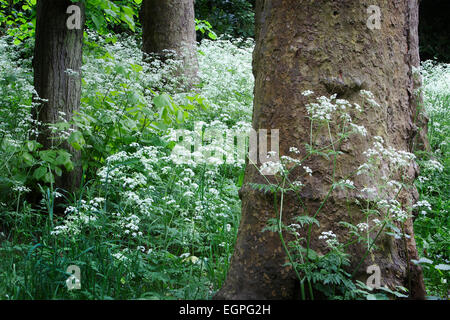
(434,30)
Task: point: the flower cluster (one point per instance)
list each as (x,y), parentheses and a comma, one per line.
(330,238)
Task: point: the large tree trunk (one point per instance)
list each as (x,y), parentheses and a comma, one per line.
(58,50)
(170,25)
(326,46)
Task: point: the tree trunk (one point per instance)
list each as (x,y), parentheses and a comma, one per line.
(326,46)
(170,25)
(57,50)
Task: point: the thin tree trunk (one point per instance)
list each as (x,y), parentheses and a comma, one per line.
(326,46)
(57,77)
(170,25)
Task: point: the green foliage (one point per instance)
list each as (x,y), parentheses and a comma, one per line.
(133,106)
(229,18)
(104,15)
(205,27)
(143,226)
(18,18)
(265,188)
(306,220)
(432,226)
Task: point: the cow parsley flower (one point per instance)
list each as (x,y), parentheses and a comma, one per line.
(271,168)
(327,234)
(422,204)
(363,227)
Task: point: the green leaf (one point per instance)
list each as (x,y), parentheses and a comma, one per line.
(39,173)
(163,100)
(48,156)
(63,158)
(49,177)
(33,145)
(98,20)
(28,158)
(180,116)
(58,171)
(76,140)
(306,220)
(212,35)
(159,126)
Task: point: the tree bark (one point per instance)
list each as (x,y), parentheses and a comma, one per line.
(170,25)
(58,49)
(326,46)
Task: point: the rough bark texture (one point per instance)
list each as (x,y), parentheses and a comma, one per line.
(170,25)
(326,46)
(58,49)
